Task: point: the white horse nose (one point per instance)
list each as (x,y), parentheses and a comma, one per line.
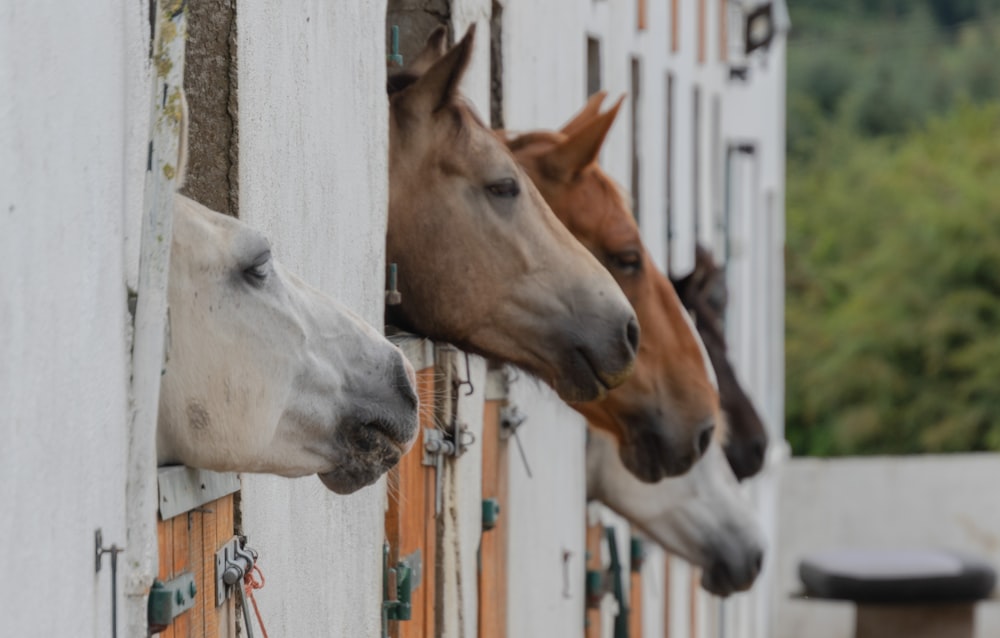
(410,377)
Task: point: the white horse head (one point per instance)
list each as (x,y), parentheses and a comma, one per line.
(266,374)
(701,516)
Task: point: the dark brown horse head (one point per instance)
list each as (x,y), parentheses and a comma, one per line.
(664,415)
(704,294)
(483,262)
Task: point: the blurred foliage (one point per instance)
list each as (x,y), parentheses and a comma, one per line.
(893,229)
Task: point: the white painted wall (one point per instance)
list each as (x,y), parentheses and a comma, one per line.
(313,127)
(547,517)
(945,501)
(68,190)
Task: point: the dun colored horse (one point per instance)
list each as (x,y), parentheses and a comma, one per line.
(483,262)
(663,416)
(704,294)
(264,373)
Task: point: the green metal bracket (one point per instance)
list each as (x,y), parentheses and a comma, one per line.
(596,587)
(399,582)
(491,513)
(394,55)
(637,554)
(168,600)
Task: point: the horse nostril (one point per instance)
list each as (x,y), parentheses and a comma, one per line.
(705,437)
(632,334)
(758,448)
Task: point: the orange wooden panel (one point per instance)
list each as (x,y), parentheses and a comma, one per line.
(723,30)
(493,546)
(222,622)
(666,596)
(594,562)
(693,602)
(642,15)
(702,30)
(675,26)
(184,624)
(410,524)
(165,542)
(635,605)
(188,542)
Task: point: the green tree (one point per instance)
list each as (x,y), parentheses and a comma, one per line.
(893,270)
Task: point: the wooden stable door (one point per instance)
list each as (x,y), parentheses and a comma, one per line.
(410,522)
(635,603)
(595,564)
(188,541)
(493,545)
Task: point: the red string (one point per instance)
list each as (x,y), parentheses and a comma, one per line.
(251,584)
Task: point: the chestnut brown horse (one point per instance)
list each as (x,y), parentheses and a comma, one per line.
(704,294)
(669,407)
(483,262)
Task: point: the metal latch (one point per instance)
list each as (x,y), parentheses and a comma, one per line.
(168,600)
(232,562)
(439,444)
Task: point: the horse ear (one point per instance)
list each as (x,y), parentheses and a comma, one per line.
(579,150)
(440,82)
(589,110)
(434,48)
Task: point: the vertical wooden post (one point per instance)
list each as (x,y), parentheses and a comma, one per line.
(410,522)
(166,103)
(594,563)
(493,546)
(635,604)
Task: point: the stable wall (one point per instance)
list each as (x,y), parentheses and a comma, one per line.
(71,176)
(313,131)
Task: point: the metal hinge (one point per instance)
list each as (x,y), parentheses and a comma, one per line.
(398,583)
(168,600)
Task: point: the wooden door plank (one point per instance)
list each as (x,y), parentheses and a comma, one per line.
(666,595)
(165,543)
(635,605)
(594,562)
(224,615)
(409,524)
(493,546)
(181,563)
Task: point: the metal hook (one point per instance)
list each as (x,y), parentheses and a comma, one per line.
(566,555)
(99,552)
(468,378)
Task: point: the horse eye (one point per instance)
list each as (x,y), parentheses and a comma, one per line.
(630,261)
(504,188)
(258,271)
